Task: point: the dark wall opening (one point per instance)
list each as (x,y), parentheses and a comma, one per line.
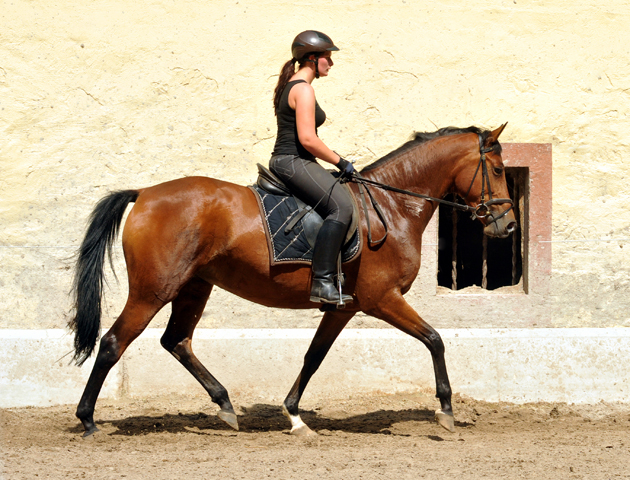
(479,260)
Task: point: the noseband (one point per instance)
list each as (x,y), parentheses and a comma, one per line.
(481,211)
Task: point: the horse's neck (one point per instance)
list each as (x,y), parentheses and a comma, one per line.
(428,168)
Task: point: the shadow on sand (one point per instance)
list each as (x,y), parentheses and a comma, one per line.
(264,418)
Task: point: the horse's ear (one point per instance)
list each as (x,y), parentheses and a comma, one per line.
(494,135)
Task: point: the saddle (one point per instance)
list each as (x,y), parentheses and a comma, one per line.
(291,226)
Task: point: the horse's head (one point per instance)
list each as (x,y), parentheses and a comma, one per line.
(481,183)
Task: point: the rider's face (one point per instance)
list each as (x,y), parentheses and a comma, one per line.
(325,62)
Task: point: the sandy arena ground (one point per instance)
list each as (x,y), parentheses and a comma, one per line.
(369,437)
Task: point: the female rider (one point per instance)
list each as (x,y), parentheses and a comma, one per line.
(297,147)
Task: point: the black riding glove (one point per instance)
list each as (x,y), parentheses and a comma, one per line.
(346,168)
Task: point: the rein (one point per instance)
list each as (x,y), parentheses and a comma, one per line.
(482,210)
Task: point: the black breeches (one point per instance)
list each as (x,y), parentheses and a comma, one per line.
(311,183)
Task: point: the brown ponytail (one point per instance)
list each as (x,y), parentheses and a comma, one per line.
(286,73)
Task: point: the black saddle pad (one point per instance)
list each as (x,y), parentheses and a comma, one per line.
(292,246)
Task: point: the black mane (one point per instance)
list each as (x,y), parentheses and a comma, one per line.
(423,137)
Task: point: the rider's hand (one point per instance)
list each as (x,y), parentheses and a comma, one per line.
(346,168)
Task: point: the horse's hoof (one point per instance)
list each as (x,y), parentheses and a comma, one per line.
(303,431)
(446,420)
(90,431)
(229,418)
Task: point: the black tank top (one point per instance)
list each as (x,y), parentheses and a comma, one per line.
(287,141)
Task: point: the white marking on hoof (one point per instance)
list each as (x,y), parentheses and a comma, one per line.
(446,420)
(303,431)
(298,427)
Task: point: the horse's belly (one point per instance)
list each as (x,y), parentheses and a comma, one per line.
(246,273)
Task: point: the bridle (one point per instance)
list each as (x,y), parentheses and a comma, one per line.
(481,211)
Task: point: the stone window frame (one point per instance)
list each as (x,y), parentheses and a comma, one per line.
(503,307)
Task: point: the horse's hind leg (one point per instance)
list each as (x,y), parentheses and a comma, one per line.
(132,321)
(329,329)
(187,309)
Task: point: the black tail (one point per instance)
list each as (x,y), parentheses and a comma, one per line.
(89,275)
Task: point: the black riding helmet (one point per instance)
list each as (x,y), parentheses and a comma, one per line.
(311,42)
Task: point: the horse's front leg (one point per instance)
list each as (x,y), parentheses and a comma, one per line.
(329,329)
(397,312)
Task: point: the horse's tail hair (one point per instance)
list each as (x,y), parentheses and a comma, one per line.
(89,275)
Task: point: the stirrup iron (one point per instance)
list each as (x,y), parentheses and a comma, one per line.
(340,282)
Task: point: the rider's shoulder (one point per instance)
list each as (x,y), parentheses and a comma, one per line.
(303,88)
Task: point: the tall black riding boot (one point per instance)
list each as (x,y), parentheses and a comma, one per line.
(327,246)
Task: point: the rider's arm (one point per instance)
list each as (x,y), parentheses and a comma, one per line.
(302,99)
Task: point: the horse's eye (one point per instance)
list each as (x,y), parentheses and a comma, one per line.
(497,170)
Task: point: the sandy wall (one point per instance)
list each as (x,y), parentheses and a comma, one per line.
(119,94)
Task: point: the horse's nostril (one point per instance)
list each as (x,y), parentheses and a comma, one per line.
(511,227)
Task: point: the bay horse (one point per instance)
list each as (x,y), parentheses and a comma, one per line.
(185,236)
